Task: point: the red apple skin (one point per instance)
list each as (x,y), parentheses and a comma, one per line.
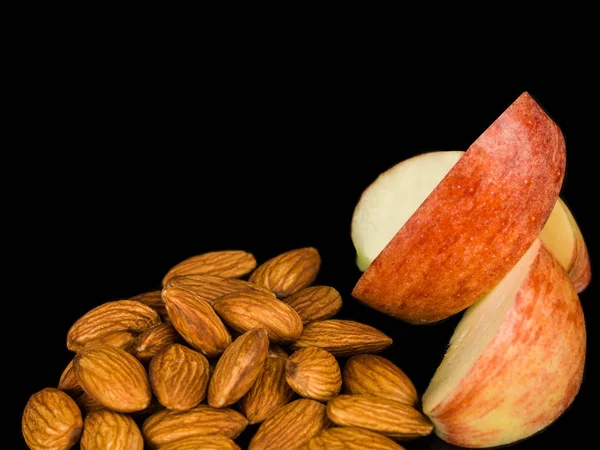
(530,372)
(476,224)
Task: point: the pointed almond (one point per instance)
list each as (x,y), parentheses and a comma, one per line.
(153,299)
(350,438)
(154,339)
(288,272)
(376,375)
(238,368)
(388,417)
(245,311)
(51,421)
(179,377)
(107,429)
(196,321)
(314,373)
(119,315)
(342,337)
(167,426)
(68,381)
(211,287)
(214,442)
(269,392)
(291,427)
(315,303)
(225,263)
(113,377)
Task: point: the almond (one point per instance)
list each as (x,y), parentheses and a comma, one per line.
(122,339)
(211,287)
(238,368)
(88,404)
(291,426)
(179,377)
(154,339)
(154,300)
(350,438)
(167,426)
(196,321)
(388,417)
(119,315)
(225,263)
(68,381)
(107,429)
(276,351)
(288,272)
(376,375)
(245,311)
(314,373)
(342,337)
(113,377)
(214,442)
(269,392)
(51,421)
(315,303)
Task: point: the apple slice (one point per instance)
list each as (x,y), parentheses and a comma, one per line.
(395,195)
(515,361)
(476,224)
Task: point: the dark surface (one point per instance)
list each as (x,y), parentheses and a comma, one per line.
(129,182)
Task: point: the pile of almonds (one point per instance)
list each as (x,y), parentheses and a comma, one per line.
(191,365)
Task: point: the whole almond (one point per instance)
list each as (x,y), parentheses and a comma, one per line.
(179,377)
(196,321)
(350,438)
(314,373)
(342,337)
(225,263)
(376,375)
(154,339)
(269,392)
(238,368)
(119,315)
(288,272)
(167,426)
(291,427)
(388,417)
(113,377)
(245,311)
(68,381)
(154,300)
(214,442)
(211,287)
(315,303)
(107,429)
(51,421)
(276,351)
(122,339)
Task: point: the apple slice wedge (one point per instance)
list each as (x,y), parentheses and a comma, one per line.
(515,361)
(395,195)
(476,224)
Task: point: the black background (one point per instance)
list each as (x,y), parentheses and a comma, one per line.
(121,175)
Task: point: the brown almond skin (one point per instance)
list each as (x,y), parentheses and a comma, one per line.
(51,421)
(179,377)
(314,373)
(68,381)
(213,442)
(154,300)
(275,351)
(165,427)
(212,287)
(269,392)
(376,375)
(291,427)
(119,315)
(196,321)
(342,337)
(315,303)
(154,339)
(107,429)
(113,377)
(351,438)
(225,263)
(288,272)
(245,311)
(238,368)
(88,404)
(388,417)
(122,339)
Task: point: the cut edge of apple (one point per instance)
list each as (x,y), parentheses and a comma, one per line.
(388,202)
